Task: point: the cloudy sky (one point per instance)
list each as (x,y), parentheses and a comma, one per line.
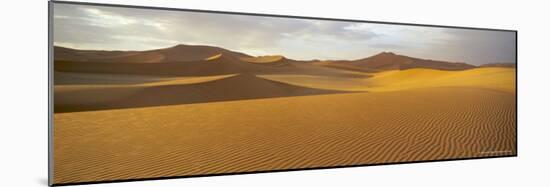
(113,28)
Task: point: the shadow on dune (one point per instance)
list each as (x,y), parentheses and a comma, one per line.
(239,87)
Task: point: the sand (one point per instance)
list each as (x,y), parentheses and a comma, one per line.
(283,133)
(263,59)
(177,53)
(213,57)
(392,61)
(502,79)
(197,110)
(173,91)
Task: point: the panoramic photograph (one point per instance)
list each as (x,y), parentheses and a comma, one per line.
(148,93)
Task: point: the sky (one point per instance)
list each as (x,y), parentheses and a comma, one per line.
(116,28)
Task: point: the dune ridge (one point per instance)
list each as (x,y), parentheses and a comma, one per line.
(213,57)
(192,53)
(263,59)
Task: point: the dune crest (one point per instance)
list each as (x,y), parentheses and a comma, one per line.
(213,57)
(263,59)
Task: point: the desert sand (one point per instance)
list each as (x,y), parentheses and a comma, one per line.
(502,79)
(263,59)
(283,133)
(220,111)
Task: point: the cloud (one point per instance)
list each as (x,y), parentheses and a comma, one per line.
(114,28)
(101,18)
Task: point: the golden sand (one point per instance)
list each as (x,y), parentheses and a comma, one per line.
(296,116)
(491,78)
(213,57)
(262,59)
(283,133)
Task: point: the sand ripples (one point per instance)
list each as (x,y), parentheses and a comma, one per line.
(313,131)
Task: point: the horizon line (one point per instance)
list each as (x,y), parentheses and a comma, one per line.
(204,45)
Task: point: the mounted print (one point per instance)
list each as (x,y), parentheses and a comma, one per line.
(142,93)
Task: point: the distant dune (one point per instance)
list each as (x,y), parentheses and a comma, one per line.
(193,65)
(391,61)
(178,53)
(182,59)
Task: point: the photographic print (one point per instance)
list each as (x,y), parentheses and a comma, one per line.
(149,93)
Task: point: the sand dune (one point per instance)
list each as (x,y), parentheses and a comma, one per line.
(224,65)
(75,98)
(96,80)
(91,94)
(92,91)
(185,60)
(180,60)
(345,65)
(321,82)
(391,61)
(274,60)
(312,131)
(190,68)
(68,54)
(502,79)
(72,78)
(263,59)
(313,69)
(177,53)
(185,53)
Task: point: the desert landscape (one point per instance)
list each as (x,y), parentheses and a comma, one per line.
(190,110)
